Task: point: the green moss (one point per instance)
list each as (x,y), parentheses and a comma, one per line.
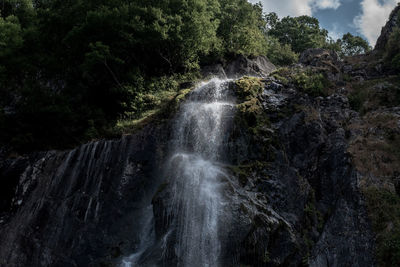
(241,172)
(280,75)
(250,111)
(250,116)
(384,211)
(251,106)
(182,95)
(248,87)
(167,103)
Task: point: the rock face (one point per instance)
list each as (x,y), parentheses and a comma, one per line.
(387,29)
(258,66)
(290,178)
(293,195)
(81,207)
(318,57)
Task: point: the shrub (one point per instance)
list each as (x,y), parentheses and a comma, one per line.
(312,84)
(281,54)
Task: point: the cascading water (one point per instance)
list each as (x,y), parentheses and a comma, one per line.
(198,145)
(195,176)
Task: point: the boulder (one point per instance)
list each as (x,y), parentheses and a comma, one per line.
(258,66)
(321,58)
(216,70)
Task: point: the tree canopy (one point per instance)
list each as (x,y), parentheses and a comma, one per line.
(300,32)
(351,45)
(70,69)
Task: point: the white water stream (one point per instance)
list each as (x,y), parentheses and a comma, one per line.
(195,175)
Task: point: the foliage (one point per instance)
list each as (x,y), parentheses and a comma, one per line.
(351,45)
(75,69)
(314,84)
(370,95)
(384,210)
(241,28)
(281,54)
(300,32)
(249,107)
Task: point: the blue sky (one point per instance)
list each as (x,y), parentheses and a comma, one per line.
(359,17)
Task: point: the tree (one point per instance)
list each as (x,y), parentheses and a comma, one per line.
(281,54)
(242,28)
(351,45)
(271,19)
(300,32)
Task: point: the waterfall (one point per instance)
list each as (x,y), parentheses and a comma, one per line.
(198,145)
(195,176)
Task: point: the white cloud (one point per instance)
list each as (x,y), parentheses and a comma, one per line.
(325,4)
(374,14)
(286,7)
(296,7)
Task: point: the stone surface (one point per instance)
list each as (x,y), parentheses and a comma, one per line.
(387,29)
(259,66)
(301,204)
(81,207)
(294,191)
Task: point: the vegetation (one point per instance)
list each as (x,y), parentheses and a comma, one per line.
(392,50)
(351,45)
(300,32)
(247,90)
(384,209)
(314,84)
(72,72)
(290,36)
(281,54)
(372,94)
(308,80)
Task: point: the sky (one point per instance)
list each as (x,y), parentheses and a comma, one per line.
(359,17)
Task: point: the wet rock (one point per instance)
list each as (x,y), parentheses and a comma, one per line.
(76,208)
(216,70)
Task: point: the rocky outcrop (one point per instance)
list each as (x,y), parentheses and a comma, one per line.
(240,66)
(321,58)
(259,66)
(388,29)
